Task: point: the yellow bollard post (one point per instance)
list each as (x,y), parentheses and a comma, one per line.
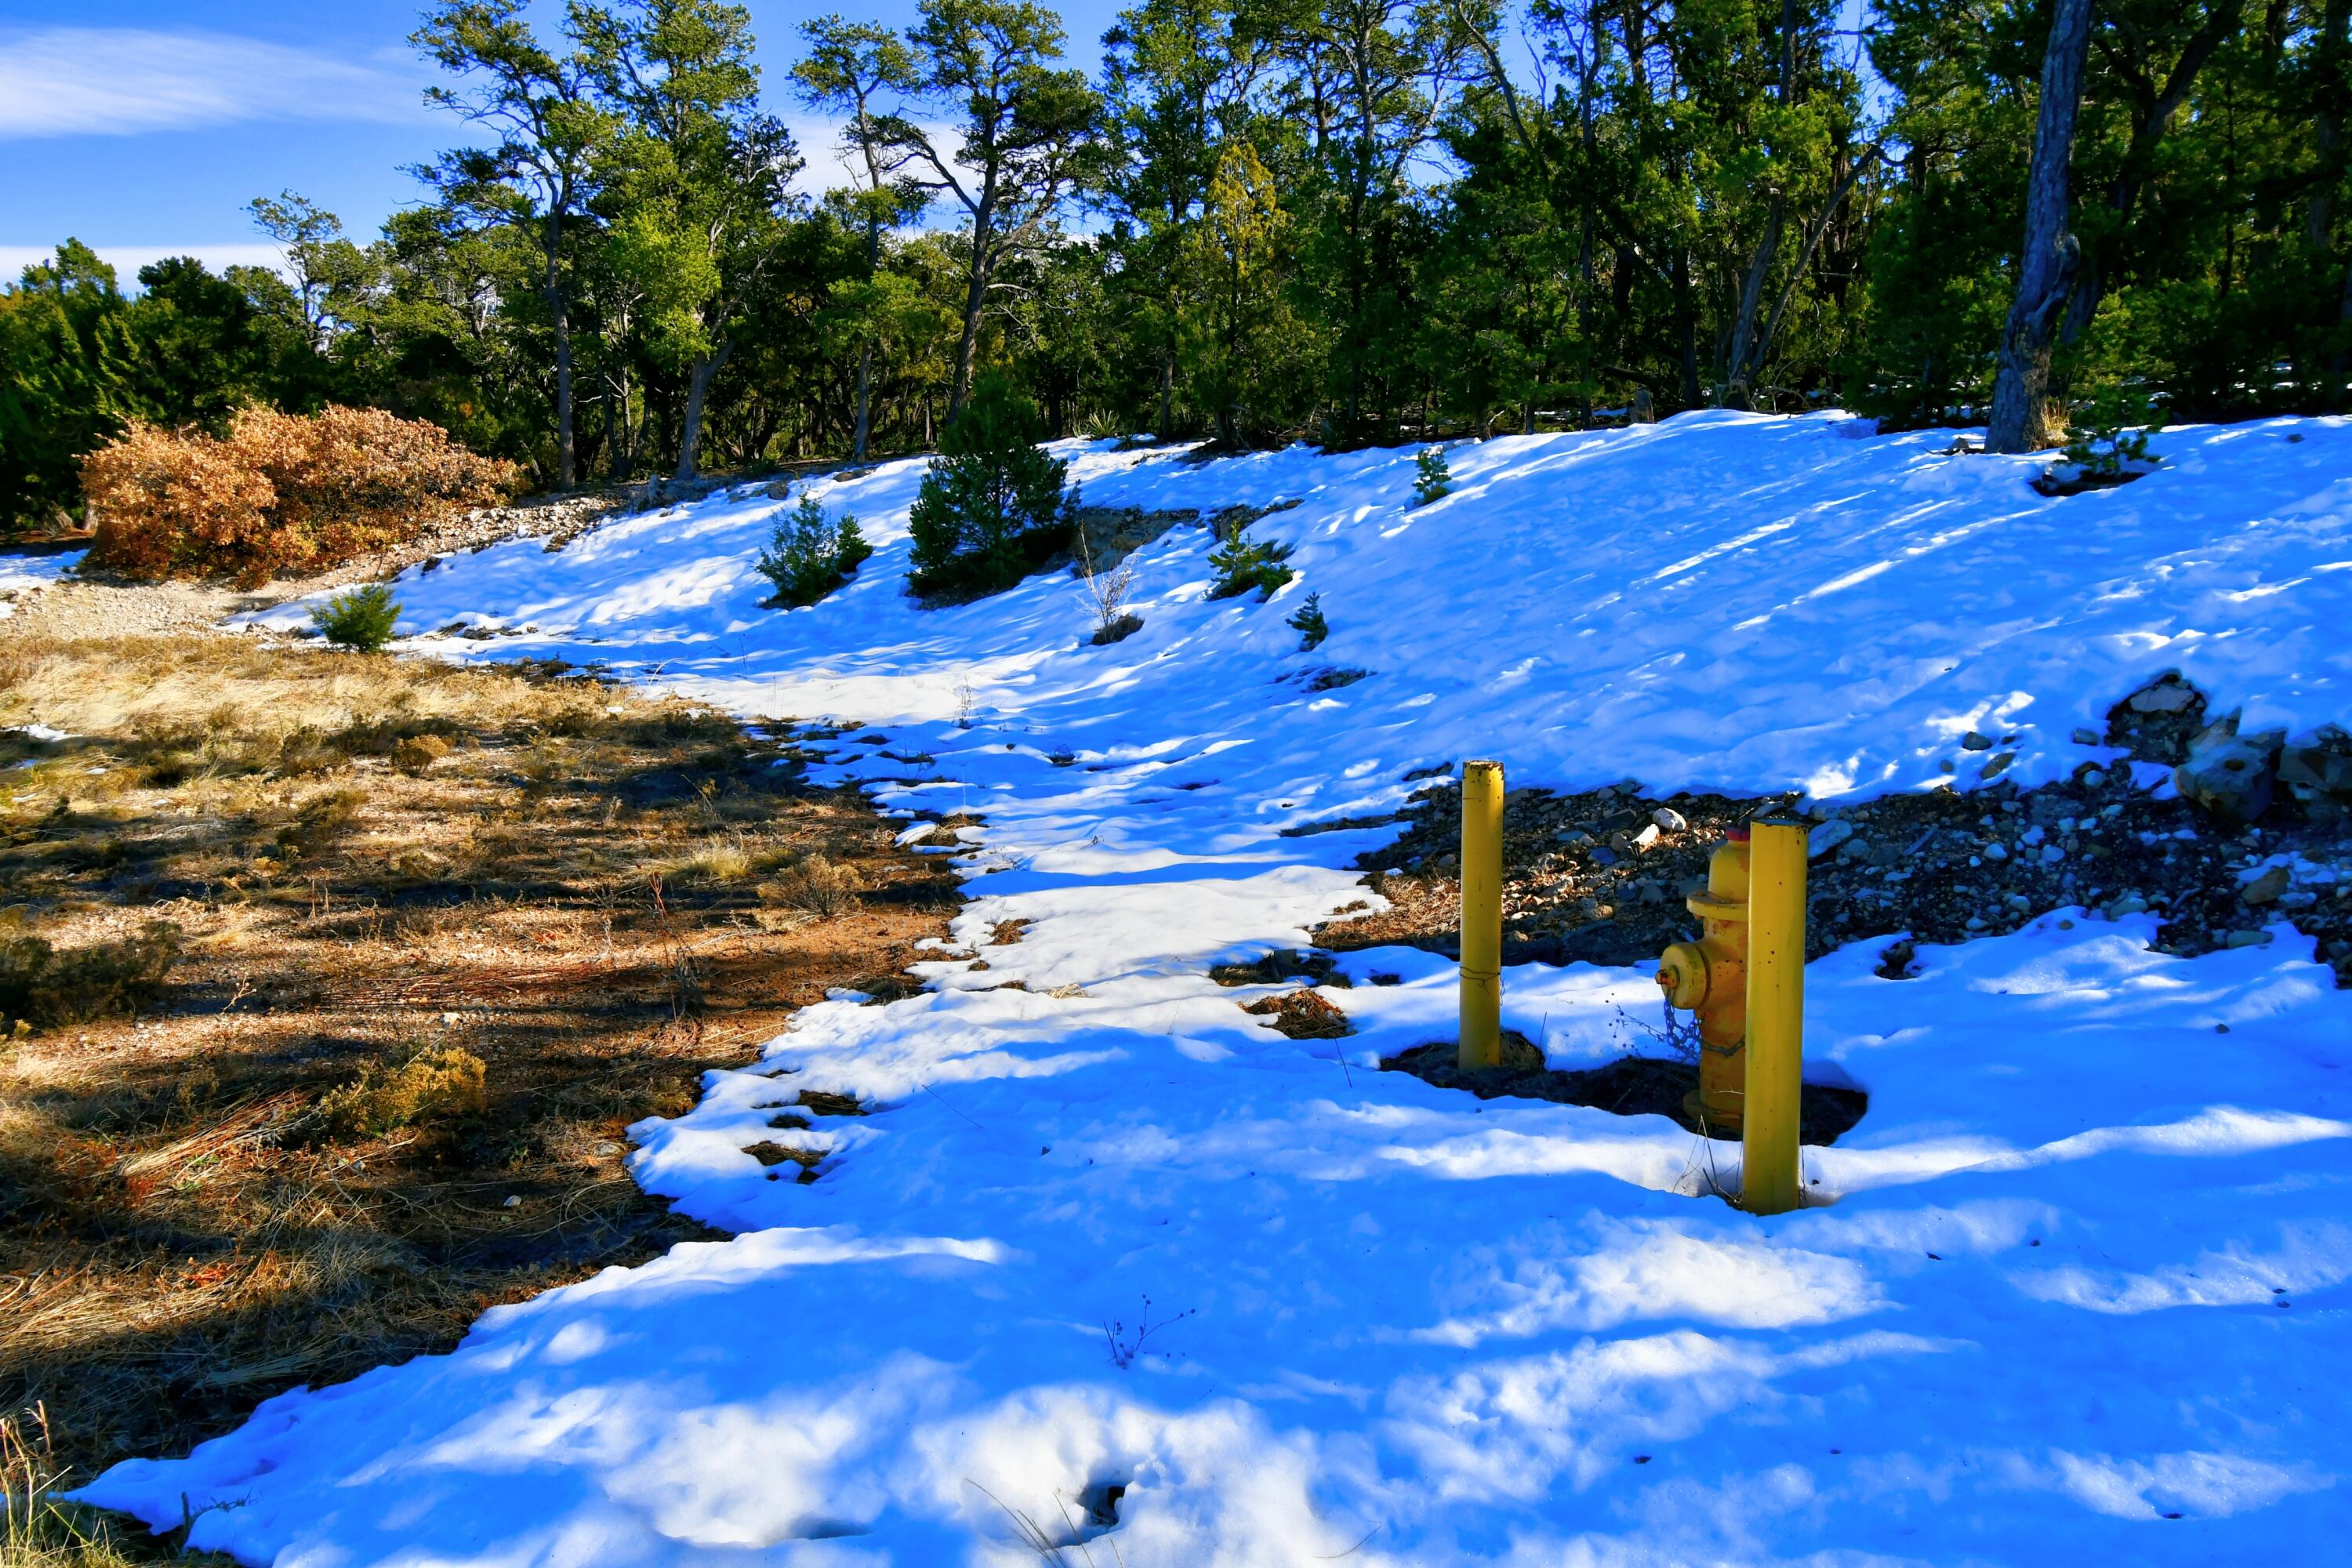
(1482,916)
(1769,1183)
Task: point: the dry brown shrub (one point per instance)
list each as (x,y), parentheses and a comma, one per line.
(173,505)
(285,493)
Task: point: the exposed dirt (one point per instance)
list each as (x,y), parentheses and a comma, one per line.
(1582,880)
(445,935)
(1629,1086)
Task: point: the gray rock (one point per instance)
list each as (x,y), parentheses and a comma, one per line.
(2167,694)
(2084,737)
(2129,904)
(1827,837)
(1854,851)
(1995,765)
(1974,741)
(1669,819)
(1996,850)
(2095,779)
(2301,899)
(1604,855)
(2229,775)
(2247,939)
(2265,889)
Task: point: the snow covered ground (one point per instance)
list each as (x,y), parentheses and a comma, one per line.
(23,574)
(2074,1287)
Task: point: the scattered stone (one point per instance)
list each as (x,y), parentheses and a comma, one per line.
(1996,850)
(2167,694)
(2095,779)
(2229,775)
(1829,836)
(2157,722)
(2317,772)
(2247,939)
(1975,741)
(1668,819)
(1995,766)
(2265,889)
(2086,737)
(1647,837)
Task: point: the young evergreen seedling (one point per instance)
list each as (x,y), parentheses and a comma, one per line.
(361,619)
(1432,478)
(807,559)
(1309,624)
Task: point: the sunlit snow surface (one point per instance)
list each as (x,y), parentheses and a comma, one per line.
(2077,1286)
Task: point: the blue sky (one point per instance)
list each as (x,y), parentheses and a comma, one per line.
(144,127)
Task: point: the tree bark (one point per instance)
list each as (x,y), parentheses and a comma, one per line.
(697,388)
(2046,264)
(865,405)
(2220,25)
(566,465)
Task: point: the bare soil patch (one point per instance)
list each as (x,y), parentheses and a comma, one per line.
(1629,1086)
(1590,875)
(441,934)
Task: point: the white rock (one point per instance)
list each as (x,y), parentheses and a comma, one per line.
(1669,819)
(1647,837)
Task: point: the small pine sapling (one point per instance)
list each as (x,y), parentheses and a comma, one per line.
(1309,624)
(2111,435)
(994,505)
(361,619)
(807,559)
(1242,563)
(1432,479)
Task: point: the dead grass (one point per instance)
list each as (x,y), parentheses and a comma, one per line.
(421,991)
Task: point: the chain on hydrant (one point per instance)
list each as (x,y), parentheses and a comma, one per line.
(1709,977)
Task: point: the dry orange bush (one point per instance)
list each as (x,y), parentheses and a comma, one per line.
(284,494)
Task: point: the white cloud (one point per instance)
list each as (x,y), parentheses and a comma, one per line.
(120,81)
(126,259)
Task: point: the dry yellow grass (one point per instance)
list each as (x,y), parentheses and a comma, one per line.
(422,992)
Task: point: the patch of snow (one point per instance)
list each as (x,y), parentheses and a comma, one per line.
(2062,1294)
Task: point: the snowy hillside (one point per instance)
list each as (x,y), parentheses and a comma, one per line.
(2074,1287)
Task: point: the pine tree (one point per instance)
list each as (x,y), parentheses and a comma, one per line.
(994,504)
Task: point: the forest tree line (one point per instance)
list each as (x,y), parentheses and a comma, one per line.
(1347,221)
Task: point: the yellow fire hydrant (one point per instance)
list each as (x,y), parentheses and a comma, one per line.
(1709,977)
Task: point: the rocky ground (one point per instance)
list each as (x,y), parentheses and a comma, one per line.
(99,606)
(2252,831)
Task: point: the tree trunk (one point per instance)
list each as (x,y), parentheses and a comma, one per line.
(567,471)
(1752,299)
(2045,267)
(865,405)
(2090,283)
(975,297)
(1688,319)
(697,388)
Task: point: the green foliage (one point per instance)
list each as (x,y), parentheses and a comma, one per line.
(363,619)
(2110,431)
(1432,478)
(994,505)
(1243,564)
(807,559)
(1309,624)
(432,1085)
(41,985)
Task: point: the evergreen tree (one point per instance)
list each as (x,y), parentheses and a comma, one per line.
(994,504)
